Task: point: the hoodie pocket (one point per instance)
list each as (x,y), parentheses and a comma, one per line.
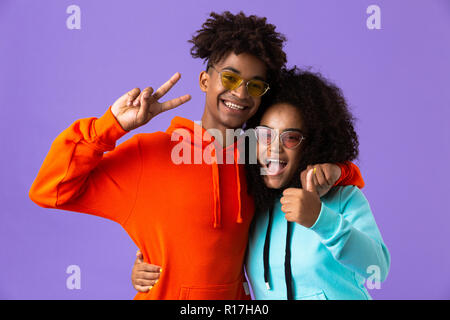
(230,291)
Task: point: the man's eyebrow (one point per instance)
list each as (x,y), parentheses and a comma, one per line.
(239,73)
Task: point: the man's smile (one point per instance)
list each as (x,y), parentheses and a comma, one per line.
(233,105)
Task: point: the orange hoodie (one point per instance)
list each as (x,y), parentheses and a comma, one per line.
(190,219)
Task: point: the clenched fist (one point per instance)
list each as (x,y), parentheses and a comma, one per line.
(324,177)
(136,108)
(302,205)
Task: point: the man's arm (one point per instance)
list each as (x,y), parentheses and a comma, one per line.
(328,175)
(350,175)
(76,175)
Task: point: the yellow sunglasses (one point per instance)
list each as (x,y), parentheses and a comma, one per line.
(231,81)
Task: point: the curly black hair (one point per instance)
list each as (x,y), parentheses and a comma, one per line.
(224,33)
(327,125)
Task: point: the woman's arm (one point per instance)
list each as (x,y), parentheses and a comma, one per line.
(352,235)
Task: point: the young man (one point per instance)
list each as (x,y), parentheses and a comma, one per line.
(190,219)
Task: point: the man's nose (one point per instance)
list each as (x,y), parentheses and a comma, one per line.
(241,91)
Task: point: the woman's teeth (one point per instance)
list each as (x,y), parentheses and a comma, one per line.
(268,161)
(234,106)
(275,166)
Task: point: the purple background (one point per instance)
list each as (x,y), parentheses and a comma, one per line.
(396,80)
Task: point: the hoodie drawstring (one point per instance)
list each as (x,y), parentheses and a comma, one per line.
(287,262)
(266,250)
(287,257)
(238,181)
(216,192)
(196,139)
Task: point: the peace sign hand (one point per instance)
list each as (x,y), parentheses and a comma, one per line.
(135,108)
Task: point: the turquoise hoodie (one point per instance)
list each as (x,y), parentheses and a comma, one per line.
(330,260)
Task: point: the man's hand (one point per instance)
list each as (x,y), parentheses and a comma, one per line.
(136,108)
(302,205)
(325,176)
(144,276)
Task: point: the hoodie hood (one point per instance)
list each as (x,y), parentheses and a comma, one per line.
(198,137)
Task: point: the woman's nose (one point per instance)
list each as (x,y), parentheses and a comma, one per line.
(275,147)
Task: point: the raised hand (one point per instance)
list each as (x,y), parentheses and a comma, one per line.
(302,205)
(325,176)
(135,108)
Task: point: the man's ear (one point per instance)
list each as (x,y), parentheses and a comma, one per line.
(204,81)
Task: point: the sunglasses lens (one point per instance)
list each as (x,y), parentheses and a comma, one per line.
(230,81)
(257,88)
(291,139)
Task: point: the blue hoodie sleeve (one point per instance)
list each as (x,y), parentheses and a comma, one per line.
(352,235)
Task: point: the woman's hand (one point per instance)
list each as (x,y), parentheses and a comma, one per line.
(136,108)
(325,176)
(144,276)
(302,205)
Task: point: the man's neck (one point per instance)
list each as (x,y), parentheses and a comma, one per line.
(208,123)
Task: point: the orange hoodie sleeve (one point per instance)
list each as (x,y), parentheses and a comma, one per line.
(76,175)
(350,175)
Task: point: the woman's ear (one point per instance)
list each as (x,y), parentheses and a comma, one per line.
(204,81)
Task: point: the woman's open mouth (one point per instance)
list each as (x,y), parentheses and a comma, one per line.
(275,167)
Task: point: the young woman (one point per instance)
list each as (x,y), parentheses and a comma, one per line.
(301,245)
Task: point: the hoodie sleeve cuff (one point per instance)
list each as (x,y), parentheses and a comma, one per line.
(344,172)
(350,175)
(328,222)
(108,130)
